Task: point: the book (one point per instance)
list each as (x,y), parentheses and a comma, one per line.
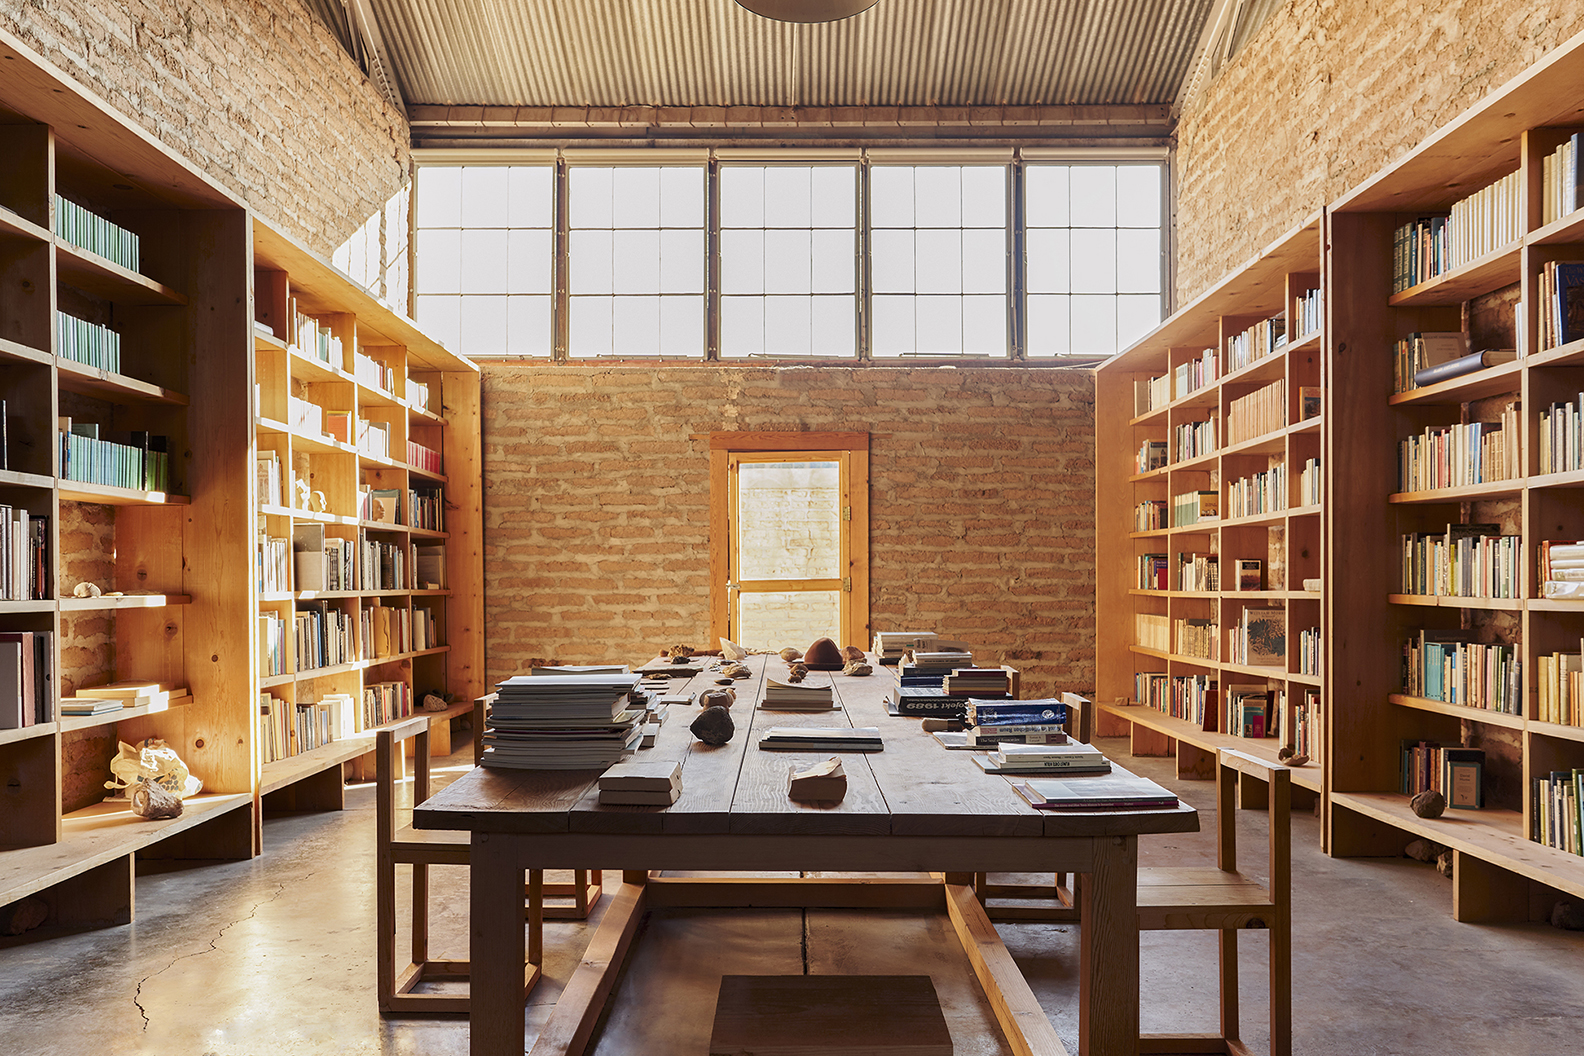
(16,702)
(821,738)
(1118,790)
(780,696)
(1456,368)
(1069,758)
(77,706)
(1250,574)
(654,776)
(1047,711)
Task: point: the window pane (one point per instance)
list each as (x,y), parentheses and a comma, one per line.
(635,197)
(787,262)
(892,261)
(1094,261)
(528,326)
(1045,194)
(770,621)
(940,324)
(939,264)
(834,195)
(439,317)
(984,261)
(681,261)
(893,325)
(937,196)
(682,197)
(681,326)
(439,196)
(984,196)
(1093,196)
(890,196)
(742,261)
(1139,260)
(439,261)
(786,196)
(484,196)
(984,325)
(635,261)
(590,331)
(589,196)
(1139,195)
(833,267)
(484,325)
(834,327)
(742,326)
(528,261)
(1047,326)
(635,326)
(1047,261)
(741,196)
(483,252)
(590,262)
(787,326)
(1094,326)
(1136,316)
(788,517)
(530,196)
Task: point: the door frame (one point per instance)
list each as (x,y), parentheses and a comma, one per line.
(856,445)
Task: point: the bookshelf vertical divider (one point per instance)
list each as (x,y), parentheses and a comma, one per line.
(176,557)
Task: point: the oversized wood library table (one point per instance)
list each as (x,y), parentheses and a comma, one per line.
(913,807)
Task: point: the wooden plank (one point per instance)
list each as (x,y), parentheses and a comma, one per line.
(497,947)
(577,1011)
(1017,1010)
(507,800)
(829,1015)
(465,667)
(807,892)
(1108,1012)
(709,773)
(856,534)
(1486,893)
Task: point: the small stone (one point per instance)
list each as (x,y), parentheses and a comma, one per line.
(857,669)
(714,726)
(150,801)
(790,655)
(434,702)
(717,698)
(24,914)
(1567,916)
(1444,863)
(1423,850)
(797,673)
(86,590)
(822,783)
(1428,804)
(736,671)
(723,681)
(852,654)
(732,651)
(680,652)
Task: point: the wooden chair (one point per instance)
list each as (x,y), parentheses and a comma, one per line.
(1224,900)
(422,848)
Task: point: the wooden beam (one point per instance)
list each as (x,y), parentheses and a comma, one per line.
(1028,1030)
(577,1010)
(807,893)
(561,119)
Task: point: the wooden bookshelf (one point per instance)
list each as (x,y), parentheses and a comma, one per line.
(1286,538)
(180,600)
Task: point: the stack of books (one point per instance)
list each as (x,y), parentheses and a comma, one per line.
(563,722)
(891,646)
(782,697)
(821,739)
(996,722)
(1114,791)
(648,784)
(978,682)
(1049,759)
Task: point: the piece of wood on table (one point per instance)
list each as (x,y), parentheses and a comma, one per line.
(927,789)
(832,1015)
(760,803)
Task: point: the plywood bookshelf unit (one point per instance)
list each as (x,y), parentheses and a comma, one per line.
(179,567)
(1499,872)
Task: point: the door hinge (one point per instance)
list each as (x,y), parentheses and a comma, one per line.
(847,584)
(846,513)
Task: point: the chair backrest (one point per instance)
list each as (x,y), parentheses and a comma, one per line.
(386,745)
(1080,717)
(1230,763)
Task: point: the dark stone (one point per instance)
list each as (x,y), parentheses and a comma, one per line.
(714,726)
(1567,916)
(1428,804)
(1423,850)
(1444,863)
(24,914)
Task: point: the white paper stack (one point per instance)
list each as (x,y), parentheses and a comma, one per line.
(563,722)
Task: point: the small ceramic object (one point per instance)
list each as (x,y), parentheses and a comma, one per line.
(86,590)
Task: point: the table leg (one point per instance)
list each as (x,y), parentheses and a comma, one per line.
(1108,986)
(497,948)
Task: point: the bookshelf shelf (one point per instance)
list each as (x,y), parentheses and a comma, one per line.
(17,352)
(78,491)
(28,733)
(1568,355)
(1485,275)
(84,722)
(1573,605)
(263,342)
(1466,493)
(14,227)
(1569,228)
(1492,381)
(124,601)
(1275,674)
(1572,479)
(27,606)
(91,381)
(1440,601)
(1556,729)
(1207,741)
(104,278)
(1270,443)
(1461,711)
(16,479)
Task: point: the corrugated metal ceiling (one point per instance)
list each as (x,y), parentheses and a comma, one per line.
(714,53)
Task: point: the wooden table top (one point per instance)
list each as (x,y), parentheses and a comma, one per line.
(912,788)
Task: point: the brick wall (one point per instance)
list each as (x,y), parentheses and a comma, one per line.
(1328,93)
(255,93)
(597,504)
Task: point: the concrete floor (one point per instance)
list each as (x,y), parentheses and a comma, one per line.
(276,956)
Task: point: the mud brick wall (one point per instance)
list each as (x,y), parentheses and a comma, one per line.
(597,503)
(1328,93)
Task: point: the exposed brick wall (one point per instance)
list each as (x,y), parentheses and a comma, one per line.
(255,93)
(597,504)
(1328,93)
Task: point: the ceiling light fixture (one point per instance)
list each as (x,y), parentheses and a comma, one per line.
(807,10)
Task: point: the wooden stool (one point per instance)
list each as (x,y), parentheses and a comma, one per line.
(422,848)
(585,891)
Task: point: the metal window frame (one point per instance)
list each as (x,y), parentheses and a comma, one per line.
(1015,161)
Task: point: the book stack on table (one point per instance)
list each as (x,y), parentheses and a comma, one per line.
(821,739)
(656,784)
(782,697)
(892,646)
(1046,760)
(997,722)
(1119,790)
(563,722)
(942,683)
